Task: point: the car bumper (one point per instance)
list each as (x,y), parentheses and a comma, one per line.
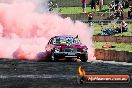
(69,54)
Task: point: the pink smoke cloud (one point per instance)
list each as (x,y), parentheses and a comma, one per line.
(22,29)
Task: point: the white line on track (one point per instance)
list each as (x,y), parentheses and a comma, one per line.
(111,62)
(36,76)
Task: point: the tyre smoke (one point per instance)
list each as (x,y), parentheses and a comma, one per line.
(26,26)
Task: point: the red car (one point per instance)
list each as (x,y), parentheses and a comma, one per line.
(67,47)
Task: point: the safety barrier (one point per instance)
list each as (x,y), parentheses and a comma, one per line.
(117,39)
(112,55)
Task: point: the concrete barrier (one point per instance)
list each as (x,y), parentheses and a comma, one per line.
(96,16)
(118,39)
(112,55)
(75,3)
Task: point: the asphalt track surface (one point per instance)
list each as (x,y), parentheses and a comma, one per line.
(31,74)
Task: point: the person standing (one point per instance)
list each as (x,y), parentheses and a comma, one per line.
(84,5)
(93,5)
(116,4)
(90,19)
(101,4)
(125,4)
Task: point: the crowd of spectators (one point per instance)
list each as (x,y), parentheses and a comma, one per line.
(93,3)
(123,27)
(116,7)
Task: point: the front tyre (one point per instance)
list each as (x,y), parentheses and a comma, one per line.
(84,58)
(52,57)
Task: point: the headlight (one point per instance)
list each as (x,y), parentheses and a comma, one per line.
(85,49)
(57,50)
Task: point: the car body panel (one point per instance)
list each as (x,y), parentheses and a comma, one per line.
(65,46)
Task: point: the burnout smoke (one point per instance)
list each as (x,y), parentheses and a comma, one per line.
(24,31)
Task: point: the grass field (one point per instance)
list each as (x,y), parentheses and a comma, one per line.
(118,46)
(77,10)
(97,29)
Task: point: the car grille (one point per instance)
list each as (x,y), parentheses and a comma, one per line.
(71,50)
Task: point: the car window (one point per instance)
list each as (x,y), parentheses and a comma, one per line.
(77,41)
(66,40)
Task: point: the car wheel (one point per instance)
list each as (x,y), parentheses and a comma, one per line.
(84,58)
(52,57)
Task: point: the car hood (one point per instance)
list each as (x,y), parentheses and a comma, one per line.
(71,46)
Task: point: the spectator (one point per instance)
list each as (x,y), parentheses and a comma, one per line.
(116,1)
(84,5)
(97,5)
(101,4)
(51,5)
(125,4)
(124,26)
(116,4)
(130,12)
(112,6)
(120,11)
(130,4)
(90,19)
(93,5)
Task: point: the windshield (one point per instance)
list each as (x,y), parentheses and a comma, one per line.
(66,41)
